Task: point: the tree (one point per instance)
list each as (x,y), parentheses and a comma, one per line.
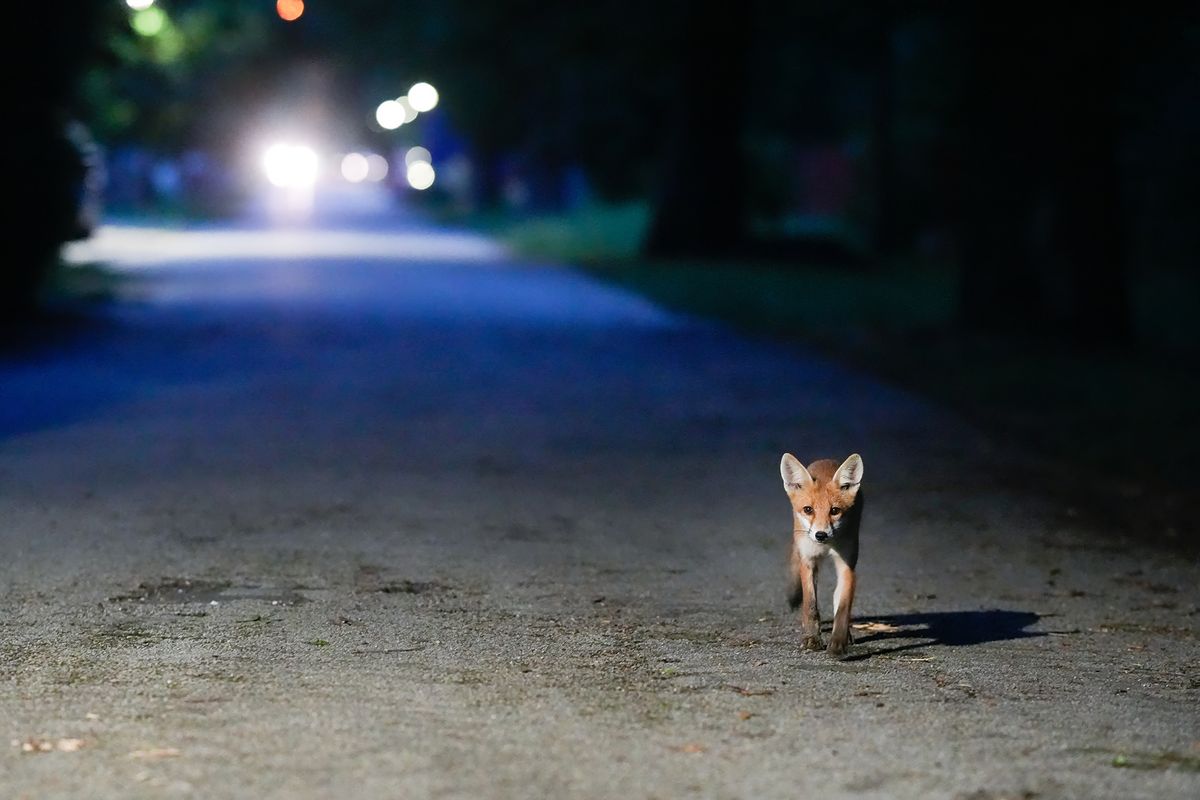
(1042,225)
(45,170)
(700,209)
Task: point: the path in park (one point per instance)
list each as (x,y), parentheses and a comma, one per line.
(384,513)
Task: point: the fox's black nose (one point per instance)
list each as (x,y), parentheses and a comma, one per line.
(821,536)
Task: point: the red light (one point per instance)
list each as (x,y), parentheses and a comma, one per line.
(289,10)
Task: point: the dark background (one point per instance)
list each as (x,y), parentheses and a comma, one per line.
(990,203)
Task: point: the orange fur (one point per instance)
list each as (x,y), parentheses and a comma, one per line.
(827,507)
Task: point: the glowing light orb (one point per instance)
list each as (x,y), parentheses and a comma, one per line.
(377,167)
(390,115)
(410,113)
(289,10)
(417,153)
(149,21)
(290,165)
(355,167)
(423,96)
(420,175)
(139,5)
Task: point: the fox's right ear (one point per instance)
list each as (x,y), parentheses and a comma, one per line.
(849,475)
(795,476)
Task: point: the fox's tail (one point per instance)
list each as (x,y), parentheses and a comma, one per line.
(795,593)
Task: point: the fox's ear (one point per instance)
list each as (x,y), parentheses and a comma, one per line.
(794,474)
(849,475)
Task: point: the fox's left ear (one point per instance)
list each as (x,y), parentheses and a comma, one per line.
(849,475)
(795,476)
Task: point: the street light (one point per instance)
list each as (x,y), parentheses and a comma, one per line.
(390,115)
(289,10)
(420,175)
(423,96)
(290,165)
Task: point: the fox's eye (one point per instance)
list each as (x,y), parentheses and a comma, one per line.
(835,511)
(807,510)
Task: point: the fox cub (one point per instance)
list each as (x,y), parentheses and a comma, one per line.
(826,508)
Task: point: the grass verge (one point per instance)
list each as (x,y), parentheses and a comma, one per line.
(1115,430)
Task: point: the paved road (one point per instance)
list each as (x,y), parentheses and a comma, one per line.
(370,516)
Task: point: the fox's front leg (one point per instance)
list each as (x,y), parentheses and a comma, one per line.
(843,599)
(804,577)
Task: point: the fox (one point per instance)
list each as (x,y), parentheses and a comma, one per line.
(827,505)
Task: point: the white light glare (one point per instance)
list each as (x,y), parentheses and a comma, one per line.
(355,167)
(420,175)
(139,5)
(417,153)
(423,96)
(377,167)
(410,113)
(390,115)
(290,165)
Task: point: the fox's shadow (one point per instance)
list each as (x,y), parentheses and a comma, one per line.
(944,629)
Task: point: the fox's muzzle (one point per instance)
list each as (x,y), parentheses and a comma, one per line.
(821,536)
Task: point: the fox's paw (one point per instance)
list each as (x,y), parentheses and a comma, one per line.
(812,643)
(837,647)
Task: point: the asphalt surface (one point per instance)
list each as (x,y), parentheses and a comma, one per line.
(386,514)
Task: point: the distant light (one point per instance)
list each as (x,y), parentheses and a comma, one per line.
(169,44)
(290,165)
(377,167)
(417,153)
(289,10)
(355,167)
(390,115)
(423,96)
(410,113)
(420,175)
(149,21)
(139,5)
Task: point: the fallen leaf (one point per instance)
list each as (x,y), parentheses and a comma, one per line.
(690,747)
(875,627)
(744,715)
(49,745)
(156,753)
